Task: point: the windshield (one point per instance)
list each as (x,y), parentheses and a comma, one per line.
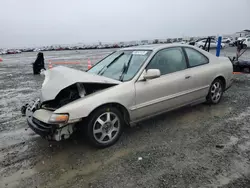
(121,65)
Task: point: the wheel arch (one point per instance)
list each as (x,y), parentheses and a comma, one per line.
(222,78)
(117,105)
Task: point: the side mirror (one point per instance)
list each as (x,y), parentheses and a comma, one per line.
(152,73)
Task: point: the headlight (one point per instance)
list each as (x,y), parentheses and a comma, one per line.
(59,118)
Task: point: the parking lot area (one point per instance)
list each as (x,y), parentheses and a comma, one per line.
(199,146)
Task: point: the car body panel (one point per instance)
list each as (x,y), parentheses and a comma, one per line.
(159,94)
(123,94)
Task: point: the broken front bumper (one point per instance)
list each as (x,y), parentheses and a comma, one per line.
(44,130)
(38,121)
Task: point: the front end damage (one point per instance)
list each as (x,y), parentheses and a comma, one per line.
(61,86)
(39,121)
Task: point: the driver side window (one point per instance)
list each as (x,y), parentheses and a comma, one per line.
(168,61)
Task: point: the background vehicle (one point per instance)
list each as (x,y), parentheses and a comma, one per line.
(195,41)
(3,52)
(246,43)
(234,43)
(226,40)
(243,38)
(213,44)
(126,87)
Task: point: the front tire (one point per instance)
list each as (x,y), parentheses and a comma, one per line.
(215,92)
(105,126)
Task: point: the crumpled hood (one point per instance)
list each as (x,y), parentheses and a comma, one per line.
(61,77)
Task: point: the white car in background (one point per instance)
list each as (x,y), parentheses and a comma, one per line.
(246,43)
(36,50)
(3,52)
(213,44)
(243,38)
(226,40)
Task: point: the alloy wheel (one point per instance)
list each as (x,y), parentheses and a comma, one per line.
(216,92)
(106,127)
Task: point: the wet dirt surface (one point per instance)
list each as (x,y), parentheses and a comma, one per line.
(200,146)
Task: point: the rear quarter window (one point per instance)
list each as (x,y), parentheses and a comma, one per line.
(195,58)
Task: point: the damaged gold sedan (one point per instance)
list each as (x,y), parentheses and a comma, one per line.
(127,86)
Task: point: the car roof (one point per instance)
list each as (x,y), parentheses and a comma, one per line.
(153,47)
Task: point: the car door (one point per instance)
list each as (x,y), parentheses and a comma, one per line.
(199,71)
(167,91)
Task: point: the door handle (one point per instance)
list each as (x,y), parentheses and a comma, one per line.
(187,77)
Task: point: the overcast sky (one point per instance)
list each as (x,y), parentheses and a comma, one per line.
(46,22)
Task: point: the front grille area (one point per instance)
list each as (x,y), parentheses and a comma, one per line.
(43,126)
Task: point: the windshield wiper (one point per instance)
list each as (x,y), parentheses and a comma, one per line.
(125,68)
(111,63)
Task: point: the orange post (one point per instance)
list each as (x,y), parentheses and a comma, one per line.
(50,65)
(89,64)
(1,59)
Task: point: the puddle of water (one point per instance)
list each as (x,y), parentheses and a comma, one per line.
(241,116)
(14,137)
(233,140)
(202,112)
(88,169)
(65,171)
(13,180)
(222,180)
(245,146)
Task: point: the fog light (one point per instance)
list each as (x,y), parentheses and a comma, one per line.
(59,118)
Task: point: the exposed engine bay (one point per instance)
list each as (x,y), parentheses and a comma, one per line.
(61,86)
(69,94)
(72,93)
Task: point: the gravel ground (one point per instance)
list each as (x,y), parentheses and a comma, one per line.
(200,146)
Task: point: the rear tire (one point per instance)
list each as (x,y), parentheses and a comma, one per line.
(215,92)
(105,126)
